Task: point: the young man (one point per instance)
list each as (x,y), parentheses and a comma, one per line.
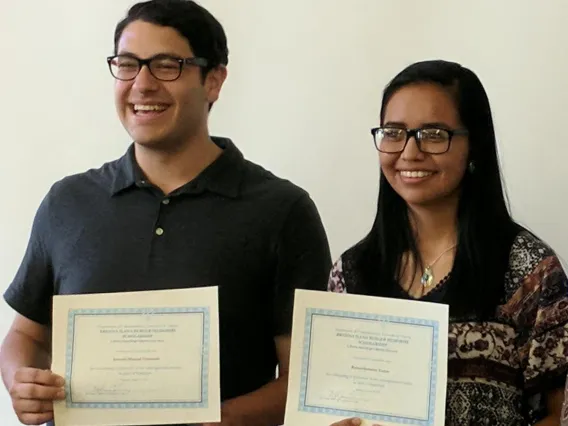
(179,209)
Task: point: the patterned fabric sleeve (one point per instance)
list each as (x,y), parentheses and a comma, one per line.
(542,313)
(336,281)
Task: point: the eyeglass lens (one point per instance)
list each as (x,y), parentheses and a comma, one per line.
(127,68)
(392,140)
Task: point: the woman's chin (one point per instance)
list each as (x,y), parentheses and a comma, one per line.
(424,199)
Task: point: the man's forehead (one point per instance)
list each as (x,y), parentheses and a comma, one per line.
(147,39)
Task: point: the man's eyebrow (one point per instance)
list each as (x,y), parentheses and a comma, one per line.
(167,53)
(126,53)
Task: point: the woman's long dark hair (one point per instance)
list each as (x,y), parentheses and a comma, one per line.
(485,227)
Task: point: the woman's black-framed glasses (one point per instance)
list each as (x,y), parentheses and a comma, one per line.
(430,140)
(162,67)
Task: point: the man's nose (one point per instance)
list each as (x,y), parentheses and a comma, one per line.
(145,81)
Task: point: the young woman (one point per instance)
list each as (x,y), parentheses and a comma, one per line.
(443,234)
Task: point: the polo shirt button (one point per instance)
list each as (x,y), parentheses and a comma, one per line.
(166,201)
(159,231)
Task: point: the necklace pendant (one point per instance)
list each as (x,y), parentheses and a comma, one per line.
(427,277)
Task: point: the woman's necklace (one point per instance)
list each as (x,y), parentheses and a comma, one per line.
(427,278)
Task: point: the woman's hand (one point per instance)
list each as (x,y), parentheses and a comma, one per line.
(354,421)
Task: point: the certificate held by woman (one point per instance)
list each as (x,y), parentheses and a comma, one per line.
(382,360)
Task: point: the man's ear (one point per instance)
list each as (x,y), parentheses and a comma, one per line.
(214,82)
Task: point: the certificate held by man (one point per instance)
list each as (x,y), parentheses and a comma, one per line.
(382,360)
(137,358)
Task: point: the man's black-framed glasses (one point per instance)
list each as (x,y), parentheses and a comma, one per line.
(430,140)
(162,67)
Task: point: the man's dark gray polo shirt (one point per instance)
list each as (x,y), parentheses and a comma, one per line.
(236,226)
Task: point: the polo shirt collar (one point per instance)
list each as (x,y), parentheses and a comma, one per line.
(222,177)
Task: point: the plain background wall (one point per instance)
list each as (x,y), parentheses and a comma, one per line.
(304,88)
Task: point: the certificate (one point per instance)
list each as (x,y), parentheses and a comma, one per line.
(137,358)
(383,360)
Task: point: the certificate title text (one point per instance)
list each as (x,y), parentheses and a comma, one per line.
(137,332)
(372,340)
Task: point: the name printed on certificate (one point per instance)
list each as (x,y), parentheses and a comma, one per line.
(137,358)
(383,360)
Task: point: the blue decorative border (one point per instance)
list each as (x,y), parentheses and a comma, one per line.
(204,400)
(311,312)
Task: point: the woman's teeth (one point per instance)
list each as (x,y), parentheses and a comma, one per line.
(415,173)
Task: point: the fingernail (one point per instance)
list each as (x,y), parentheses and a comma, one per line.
(356,422)
(61,394)
(59,381)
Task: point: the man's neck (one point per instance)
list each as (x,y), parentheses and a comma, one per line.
(169,169)
(435,226)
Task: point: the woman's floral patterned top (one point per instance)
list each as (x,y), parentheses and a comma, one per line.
(499,371)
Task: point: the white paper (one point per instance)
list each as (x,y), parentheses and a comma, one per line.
(383,360)
(137,358)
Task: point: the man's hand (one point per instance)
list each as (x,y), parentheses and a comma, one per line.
(33,392)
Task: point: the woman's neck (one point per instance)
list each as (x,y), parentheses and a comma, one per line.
(435,227)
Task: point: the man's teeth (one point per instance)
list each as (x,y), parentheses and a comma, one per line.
(149,108)
(415,173)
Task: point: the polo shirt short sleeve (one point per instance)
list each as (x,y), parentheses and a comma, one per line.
(237,226)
